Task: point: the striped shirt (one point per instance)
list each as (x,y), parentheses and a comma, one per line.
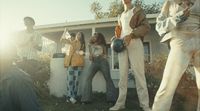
(27,43)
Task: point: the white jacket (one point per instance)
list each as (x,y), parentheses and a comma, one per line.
(171,17)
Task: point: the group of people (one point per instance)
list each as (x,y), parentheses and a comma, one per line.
(18,61)
(179,25)
(74,62)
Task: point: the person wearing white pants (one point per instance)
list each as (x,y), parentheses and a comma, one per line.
(179,23)
(135,54)
(134,27)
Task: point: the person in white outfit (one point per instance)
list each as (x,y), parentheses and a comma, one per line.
(29,44)
(134,26)
(179,24)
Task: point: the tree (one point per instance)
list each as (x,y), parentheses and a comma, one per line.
(116,8)
(96,9)
(152,8)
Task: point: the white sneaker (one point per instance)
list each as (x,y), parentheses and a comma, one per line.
(73,101)
(116,108)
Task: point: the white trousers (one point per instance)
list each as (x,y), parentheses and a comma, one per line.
(133,55)
(183,50)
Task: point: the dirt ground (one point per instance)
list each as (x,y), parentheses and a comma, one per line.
(185,98)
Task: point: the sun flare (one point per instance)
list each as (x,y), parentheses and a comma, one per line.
(5,41)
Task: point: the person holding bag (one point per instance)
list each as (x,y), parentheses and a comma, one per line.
(74,62)
(133,26)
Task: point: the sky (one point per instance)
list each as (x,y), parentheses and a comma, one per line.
(44,12)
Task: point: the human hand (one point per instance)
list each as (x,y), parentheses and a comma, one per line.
(186,12)
(80,52)
(127,40)
(184,16)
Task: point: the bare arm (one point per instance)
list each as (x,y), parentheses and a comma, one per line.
(63,38)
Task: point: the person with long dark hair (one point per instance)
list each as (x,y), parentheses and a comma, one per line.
(74,62)
(99,62)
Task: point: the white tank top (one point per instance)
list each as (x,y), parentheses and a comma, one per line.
(125,20)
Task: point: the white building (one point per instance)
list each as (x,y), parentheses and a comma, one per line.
(152,45)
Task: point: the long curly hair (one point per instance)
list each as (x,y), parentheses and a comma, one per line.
(82,40)
(98,38)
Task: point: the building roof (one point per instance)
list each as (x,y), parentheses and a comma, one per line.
(86,24)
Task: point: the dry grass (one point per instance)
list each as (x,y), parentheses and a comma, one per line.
(185,98)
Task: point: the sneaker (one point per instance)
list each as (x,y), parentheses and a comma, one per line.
(73,101)
(116,108)
(67,100)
